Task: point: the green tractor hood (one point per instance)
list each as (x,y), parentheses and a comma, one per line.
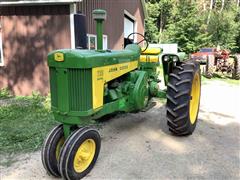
(74,58)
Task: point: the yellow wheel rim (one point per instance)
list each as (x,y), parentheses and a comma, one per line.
(195,98)
(84,155)
(59,146)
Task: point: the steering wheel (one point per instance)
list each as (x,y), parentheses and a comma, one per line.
(144,39)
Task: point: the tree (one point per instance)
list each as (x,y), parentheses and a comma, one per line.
(237,37)
(186,27)
(152,32)
(194,24)
(158,12)
(165,7)
(224,27)
(210,11)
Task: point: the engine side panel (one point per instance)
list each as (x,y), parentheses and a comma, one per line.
(102,75)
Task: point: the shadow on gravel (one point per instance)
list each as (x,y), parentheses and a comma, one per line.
(211,152)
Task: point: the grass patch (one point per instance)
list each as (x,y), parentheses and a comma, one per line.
(217,77)
(5,93)
(24,123)
(204,80)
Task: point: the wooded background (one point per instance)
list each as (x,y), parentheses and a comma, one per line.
(194,23)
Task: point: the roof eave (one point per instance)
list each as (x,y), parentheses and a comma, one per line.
(144,9)
(37,2)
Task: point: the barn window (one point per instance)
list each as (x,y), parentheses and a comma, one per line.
(92,42)
(129,27)
(1,46)
(105,44)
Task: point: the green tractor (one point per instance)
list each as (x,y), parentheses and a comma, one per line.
(87,85)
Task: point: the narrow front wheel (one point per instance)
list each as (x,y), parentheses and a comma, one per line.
(79,153)
(51,150)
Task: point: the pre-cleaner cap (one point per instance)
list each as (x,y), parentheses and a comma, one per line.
(99,14)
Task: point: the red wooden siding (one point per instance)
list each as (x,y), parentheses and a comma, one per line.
(27,39)
(34,10)
(114,25)
(31,32)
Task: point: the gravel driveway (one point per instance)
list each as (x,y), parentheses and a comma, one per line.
(139,146)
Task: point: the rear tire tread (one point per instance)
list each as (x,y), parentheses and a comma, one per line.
(172,87)
(175,76)
(179,96)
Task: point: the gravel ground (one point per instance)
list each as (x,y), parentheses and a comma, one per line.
(139,146)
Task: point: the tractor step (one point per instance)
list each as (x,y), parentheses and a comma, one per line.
(149,106)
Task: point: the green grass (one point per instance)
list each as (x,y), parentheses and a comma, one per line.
(5,93)
(217,77)
(24,123)
(204,80)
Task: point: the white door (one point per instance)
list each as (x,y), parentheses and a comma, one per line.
(128,27)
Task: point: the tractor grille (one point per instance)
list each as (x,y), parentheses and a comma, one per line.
(80,89)
(53,86)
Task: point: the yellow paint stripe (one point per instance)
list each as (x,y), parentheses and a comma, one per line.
(149,58)
(102,75)
(152,51)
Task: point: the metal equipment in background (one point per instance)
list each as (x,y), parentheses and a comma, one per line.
(89,84)
(216,60)
(228,66)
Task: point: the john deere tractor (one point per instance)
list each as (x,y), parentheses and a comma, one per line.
(86,85)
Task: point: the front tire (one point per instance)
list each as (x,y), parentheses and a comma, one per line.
(79,153)
(183,98)
(51,150)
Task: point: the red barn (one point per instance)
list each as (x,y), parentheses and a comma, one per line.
(30,29)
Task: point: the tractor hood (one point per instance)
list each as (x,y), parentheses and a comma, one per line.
(74,58)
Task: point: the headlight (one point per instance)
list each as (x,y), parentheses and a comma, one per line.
(166,58)
(175,58)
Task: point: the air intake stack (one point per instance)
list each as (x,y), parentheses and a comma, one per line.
(99,15)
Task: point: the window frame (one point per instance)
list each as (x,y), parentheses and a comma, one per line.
(95,36)
(105,36)
(1,45)
(89,36)
(132,18)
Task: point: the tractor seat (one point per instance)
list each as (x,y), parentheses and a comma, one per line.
(151,55)
(151,51)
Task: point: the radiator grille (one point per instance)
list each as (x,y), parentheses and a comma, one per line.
(53,86)
(80,89)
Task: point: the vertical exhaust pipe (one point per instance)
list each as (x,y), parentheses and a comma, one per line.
(99,15)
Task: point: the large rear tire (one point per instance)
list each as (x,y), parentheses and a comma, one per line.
(236,69)
(183,98)
(210,68)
